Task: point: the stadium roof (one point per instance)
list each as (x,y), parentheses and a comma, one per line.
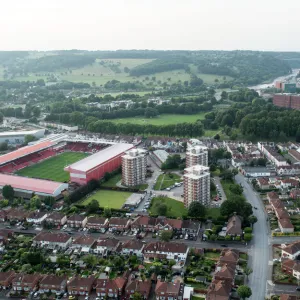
(18,133)
(99,158)
(24,151)
(32,185)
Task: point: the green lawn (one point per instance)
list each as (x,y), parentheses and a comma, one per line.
(165,180)
(53,168)
(164,119)
(213,212)
(112,182)
(175,208)
(106,198)
(212,255)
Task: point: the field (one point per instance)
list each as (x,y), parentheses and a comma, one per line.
(106,198)
(165,180)
(175,208)
(53,168)
(165,119)
(101,71)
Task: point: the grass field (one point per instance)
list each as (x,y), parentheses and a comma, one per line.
(53,168)
(164,119)
(165,180)
(100,73)
(106,198)
(175,208)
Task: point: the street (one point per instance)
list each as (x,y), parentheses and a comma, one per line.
(259,253)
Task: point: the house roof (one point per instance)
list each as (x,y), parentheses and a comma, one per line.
(17,213)
(114,284)
(292,248)
(84,240)
(229,255)
(288,297)
(96,220)
(52,237)
(133,244)
(31,184)
(166,247)
(27,278)
(282,213)
(76,218)
(227,271)
(118,221)
(219,290)
(190,224)
(170,288)
(6,275)
(108,242)
(53,280)
(234,225)
(285,223)
(57,216)
(142,287)
(277,203)
(81,281)
(263,181)
(36,215)
(272,195)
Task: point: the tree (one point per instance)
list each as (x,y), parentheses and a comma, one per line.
(35,202)
(137,296)
(151,112)
(166,235)
(197,210)
(248,237)
(236,189)
(29,138)
(252,219)
(224,95)
(93,206)
(49,201)
(8,192)
(248,230)
(248,271)
(107,212)
(217,137)
(1,118)
(3,146)
(244,292)
(162,209)
(90,260)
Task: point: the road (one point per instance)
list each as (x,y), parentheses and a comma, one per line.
(259,253)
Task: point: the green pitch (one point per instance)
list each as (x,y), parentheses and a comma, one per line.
(53,168)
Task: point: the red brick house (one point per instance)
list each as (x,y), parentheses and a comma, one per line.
(111,288)
(106,245)
(230,256)
(77,221)
(119,224)
(234,226)
(225,271)
(295,193)
(54,284)
(6,279)
(138,286)
(26,282)
(289,297)
(81,286)
(84,242)
(144,223)
(169,290)
(16,215)
(219,290)
(263,183)
(272,196)
(97,223)
(56,219)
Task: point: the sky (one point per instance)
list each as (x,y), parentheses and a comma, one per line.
(150,24)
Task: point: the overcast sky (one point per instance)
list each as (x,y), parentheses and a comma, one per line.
(150,24)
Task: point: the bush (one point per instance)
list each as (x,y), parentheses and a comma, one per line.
(248,230)
(228,238)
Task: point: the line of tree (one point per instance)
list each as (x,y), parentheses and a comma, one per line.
(180,129)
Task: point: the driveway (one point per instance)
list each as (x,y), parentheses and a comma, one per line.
(260,251)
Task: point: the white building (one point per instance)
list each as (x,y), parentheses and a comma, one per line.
(18,137)
(133,247)
(134,167)
(197,155)
(196,185)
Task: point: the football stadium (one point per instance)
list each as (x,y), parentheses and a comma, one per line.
(48,166)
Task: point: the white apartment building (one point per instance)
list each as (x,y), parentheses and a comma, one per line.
(197,155)
(196,185)
(134,166)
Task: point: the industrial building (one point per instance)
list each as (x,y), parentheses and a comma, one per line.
(96,165)
(18,137)
(287,87)
(287,100)
(197,155)
(196,185)
(24,187)
(134,167)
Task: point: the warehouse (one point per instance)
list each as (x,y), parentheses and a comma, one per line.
(24,187)
(18,137)
(96,165)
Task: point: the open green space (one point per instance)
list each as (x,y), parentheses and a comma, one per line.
(175,208)
(107,198)
(213,212)
(166,180)
(112,182)
(53,168)
(164,119)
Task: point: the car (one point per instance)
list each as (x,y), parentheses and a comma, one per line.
(223,245)
(168,189)
(298,288)
(254,207)
(8,227)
